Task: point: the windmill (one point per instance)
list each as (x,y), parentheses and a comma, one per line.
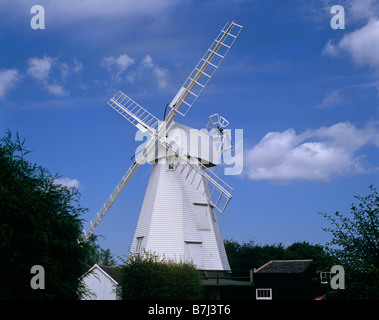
(178,216)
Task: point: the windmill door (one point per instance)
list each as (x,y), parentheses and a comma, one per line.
(195,253)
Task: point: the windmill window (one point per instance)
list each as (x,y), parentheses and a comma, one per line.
(202,217)
(172,162)
(139,244)
(171,166)
(263,294)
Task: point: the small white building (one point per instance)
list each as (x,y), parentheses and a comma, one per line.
(101,283)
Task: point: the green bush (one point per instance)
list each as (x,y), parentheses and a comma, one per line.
(149,277)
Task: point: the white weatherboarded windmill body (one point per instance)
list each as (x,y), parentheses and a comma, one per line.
(178,217)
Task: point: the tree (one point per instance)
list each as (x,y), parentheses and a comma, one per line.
(98,255)
(250,255)
(355,244)
(316,252)
(146,276)
(39,226)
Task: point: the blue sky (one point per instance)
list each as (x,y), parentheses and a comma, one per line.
(305,95)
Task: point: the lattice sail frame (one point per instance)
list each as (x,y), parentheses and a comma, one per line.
(205,68)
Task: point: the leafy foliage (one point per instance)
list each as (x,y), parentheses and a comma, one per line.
(95,254)
(250,255)
(149,277)
(39,225)
(355,244)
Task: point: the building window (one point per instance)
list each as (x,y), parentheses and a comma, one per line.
(202,217)
(172,162)
(324,277)
(139,244)
(263,294)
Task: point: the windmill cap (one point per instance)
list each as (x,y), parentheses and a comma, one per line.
(193,142)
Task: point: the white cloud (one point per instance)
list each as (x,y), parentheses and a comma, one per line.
(116,66)
(67,182)
(147,62)
(69,11)
(362,45)
(73,11)
(315,155)
(161,76)
(56,89)
(67,69)
(330,49)
(8,80)
(39,68)
(120,68)
(331,100)
(148,67)
(363,9)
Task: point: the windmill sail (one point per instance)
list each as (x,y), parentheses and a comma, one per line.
(108,204)
(134,113)
(119,188)
(204,70)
